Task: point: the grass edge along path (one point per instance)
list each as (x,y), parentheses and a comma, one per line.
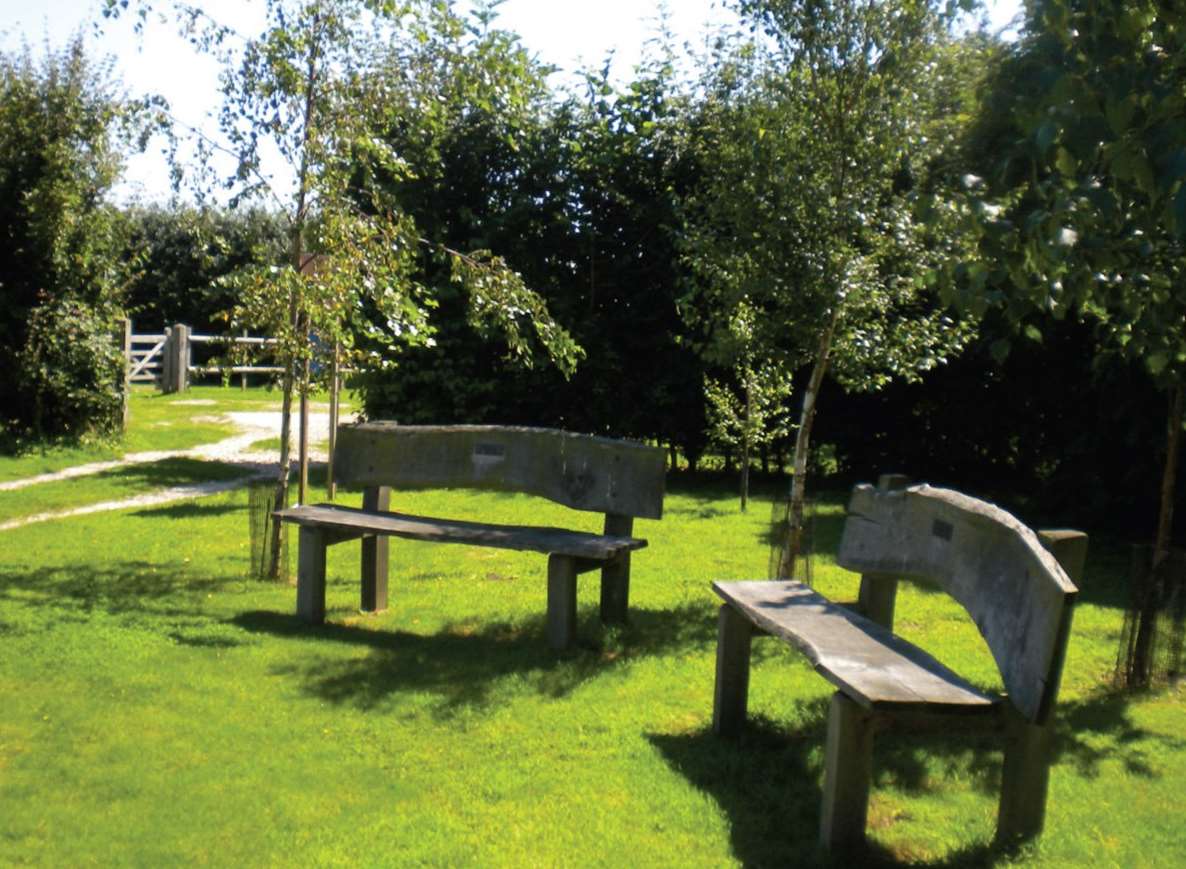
(151,499)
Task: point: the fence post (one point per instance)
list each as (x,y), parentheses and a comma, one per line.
(167,354)
(184,360)
(127,370)
(175,365)
(179,380)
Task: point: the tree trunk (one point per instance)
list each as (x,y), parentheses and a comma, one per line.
(1141,665)
(746,437)
(294,315)
(303,442)
(335,389)
(281,500)
(794,541)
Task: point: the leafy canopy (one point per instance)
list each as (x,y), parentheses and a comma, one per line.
(1081,205)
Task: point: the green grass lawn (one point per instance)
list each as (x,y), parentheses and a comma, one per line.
(156,422)
(158,707)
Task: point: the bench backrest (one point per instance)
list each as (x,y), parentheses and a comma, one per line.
(580,471)
(1014,589)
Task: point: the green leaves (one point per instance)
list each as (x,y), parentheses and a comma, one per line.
(1090,218)
(1180,212)
(817,212)
(63,134)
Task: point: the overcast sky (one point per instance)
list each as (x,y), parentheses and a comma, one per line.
(565,33)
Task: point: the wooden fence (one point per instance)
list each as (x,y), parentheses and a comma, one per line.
(167,359)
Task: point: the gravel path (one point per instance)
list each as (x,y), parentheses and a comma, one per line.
(253,427)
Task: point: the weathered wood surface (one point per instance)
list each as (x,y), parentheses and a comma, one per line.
(870,664)
(579,471)
(375,554)
(1014,589)
(734,644)
(556,541)
(848,774)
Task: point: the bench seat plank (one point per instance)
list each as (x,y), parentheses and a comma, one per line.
(554,541)
(863,659)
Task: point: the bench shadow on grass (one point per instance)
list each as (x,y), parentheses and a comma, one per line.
(463,665)
(768,781)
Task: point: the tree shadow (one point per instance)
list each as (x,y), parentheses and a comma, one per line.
(768,781)
(1087,733)
(463,666)
(188,510)
(164,600)
(171,472)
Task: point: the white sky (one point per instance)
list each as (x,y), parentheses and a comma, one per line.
(565,33)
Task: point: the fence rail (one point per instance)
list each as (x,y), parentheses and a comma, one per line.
(166,359)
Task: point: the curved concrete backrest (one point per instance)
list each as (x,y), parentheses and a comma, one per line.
(580,471)
(1015,591)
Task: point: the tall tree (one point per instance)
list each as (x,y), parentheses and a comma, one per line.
(815,215)
(64,130)
(579,191)
(308,87)
(1081,210)
(182,253)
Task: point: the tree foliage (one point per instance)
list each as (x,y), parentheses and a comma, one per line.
(308,87)
(182,252)
(818,214)
(1083,209)
(64,130)
(580,192)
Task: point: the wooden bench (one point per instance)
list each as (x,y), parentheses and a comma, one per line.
(621,479)
(1013,583)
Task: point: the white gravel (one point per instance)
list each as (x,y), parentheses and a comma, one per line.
(253,427)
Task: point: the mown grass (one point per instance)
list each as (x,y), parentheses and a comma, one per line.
(160,707)
(157,422)
(125,481)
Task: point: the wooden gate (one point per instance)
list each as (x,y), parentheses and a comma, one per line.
(145,355)
(166,359)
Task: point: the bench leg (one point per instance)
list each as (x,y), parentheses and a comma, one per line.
(311,576)
(848,772)
(1025,780)
(375,548)
(374,573)
(615,576)
(562,601)
(734,639)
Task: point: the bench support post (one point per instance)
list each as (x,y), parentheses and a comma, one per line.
(562,601)
(311,575)
(848,772)
(1025,779)
(375,548)
(734,639)
(877,596)
(615,576)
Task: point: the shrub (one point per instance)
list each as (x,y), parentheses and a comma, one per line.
(72,369)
